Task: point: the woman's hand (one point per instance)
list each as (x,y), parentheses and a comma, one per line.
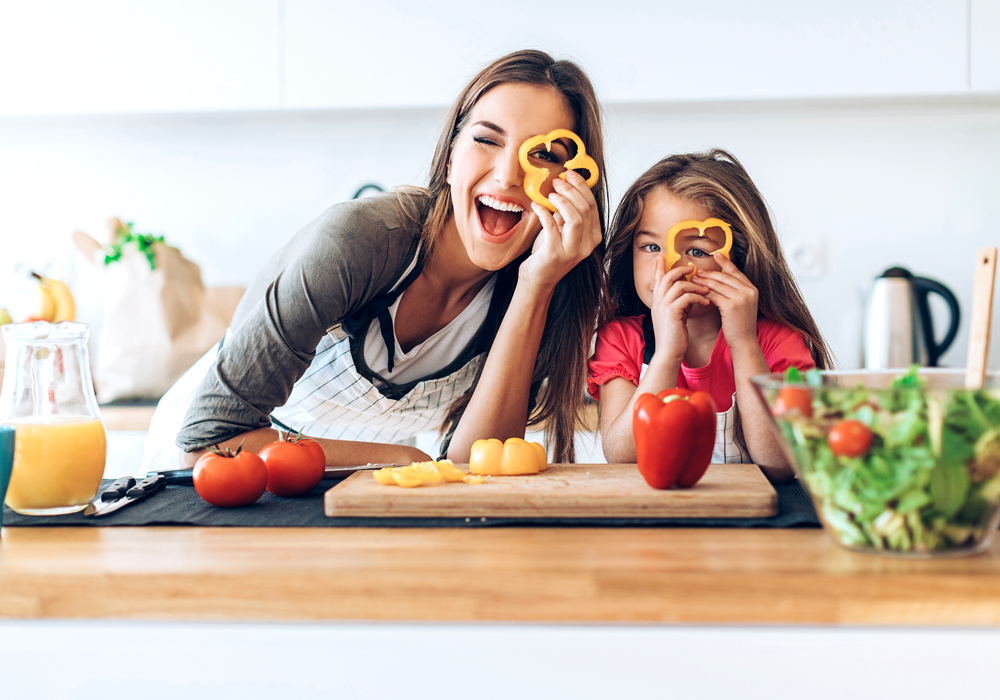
(736,298)
(567,237)
(673,297)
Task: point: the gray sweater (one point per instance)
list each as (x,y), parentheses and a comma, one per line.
(327,273)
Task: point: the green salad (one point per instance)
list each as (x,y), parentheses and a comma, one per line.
(906,469)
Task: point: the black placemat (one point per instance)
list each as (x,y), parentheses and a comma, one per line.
(181,505)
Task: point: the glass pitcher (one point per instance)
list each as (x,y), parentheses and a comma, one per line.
(48,396)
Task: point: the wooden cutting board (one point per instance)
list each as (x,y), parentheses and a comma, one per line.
(562,491)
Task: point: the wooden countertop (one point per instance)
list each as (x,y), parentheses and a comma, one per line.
(508,574)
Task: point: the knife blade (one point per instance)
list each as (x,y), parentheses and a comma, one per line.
(117,490)
(144,489)
(185,476)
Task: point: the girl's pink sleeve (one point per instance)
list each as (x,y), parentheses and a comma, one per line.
(618,353)
(783,347)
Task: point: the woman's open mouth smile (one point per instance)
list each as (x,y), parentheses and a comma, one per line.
(498,220)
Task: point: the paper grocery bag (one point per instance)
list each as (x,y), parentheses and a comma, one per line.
(156,322)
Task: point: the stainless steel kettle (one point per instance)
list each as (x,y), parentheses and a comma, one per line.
(899,330)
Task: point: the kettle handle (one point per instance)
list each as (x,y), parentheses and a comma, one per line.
(923,287)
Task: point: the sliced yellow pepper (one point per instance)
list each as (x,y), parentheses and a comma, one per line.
(449,471)
(420,473)
(485,456)
(406,477)
(384,476)
(427,471)
(511,458)
(543,460)
(535,177)
(671,255)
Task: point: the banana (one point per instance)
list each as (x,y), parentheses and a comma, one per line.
(4,317)
(55,301)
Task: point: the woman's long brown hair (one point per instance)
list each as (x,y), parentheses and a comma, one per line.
(719,183)
(561,364)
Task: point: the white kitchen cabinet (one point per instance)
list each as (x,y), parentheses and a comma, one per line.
(117,56)
(984,52)
(383,53)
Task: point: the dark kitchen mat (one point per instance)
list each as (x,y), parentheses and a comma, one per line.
(180,505)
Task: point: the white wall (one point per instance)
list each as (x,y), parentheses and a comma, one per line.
(866,183)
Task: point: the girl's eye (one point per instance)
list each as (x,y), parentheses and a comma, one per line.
(650,248)
(697,253)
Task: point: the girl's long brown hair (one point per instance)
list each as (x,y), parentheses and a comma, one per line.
(561,364)
(717,181)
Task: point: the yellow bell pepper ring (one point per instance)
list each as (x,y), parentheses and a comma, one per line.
(671,255)
(535,177)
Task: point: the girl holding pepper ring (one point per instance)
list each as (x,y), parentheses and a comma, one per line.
(422,308)
(713,319)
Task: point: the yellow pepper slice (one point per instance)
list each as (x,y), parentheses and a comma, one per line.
(406,477)
(384,476)
(427,471)
(449,471)
(671,255)
(535,177)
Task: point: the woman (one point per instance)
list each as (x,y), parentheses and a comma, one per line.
(463,304)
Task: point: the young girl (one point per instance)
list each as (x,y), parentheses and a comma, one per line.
(709,323)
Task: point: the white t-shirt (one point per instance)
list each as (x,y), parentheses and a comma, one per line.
(435,353)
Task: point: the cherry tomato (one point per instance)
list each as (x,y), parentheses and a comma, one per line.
(790,398)
(849,438)
(228,480)
(293,466)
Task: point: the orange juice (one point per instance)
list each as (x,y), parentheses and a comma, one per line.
(58,465)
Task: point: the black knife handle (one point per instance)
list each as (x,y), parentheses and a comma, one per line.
(174,476)
(118,489)
(147,487)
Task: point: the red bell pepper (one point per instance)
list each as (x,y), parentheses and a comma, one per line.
(674,436)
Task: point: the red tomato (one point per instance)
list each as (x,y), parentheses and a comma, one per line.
(849,438)
(793,398)
(293,466)
(315,448)
(230,480)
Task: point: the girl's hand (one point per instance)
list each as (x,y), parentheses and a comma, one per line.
(567,237)
(673,297)
(736,298)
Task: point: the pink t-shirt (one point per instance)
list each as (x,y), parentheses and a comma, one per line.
(620,346)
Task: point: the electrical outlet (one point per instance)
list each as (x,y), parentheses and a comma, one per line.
(807,258)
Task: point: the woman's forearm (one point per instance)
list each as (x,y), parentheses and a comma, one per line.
(339,453)
(499,406)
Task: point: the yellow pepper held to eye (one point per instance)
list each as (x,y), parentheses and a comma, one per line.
(535,177)
(671,255)
(515,457)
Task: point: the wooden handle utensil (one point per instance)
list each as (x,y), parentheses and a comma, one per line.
(981,319)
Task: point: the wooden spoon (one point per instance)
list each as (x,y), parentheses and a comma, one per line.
(981,319)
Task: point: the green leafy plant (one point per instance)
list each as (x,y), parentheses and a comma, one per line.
(143,243)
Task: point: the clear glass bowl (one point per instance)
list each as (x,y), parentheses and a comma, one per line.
(928,481)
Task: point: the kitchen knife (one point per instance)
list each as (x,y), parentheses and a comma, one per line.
(117,490)
(144,489)
(184,476)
